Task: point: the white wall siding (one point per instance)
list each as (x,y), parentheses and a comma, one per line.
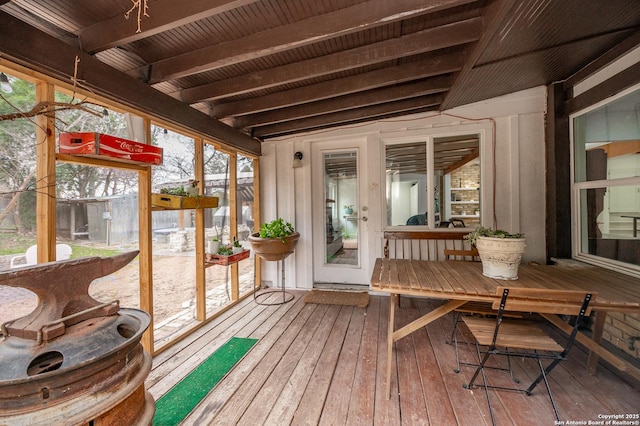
(520,172)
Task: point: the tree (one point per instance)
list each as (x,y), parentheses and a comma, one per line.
(18,110)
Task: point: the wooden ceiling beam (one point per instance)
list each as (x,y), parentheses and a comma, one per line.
(342,103)
(341,22)
(448,146)
(343,117)
(436,65)
(474,154)
(420,42)
(54,58)
(164,15)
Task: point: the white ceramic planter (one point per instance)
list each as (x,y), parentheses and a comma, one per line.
(500,256)
(213,246)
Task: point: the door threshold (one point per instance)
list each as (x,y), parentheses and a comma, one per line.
(341,286)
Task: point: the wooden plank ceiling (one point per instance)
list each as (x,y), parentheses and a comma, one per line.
(278,67)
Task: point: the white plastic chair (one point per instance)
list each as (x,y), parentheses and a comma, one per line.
(30,257)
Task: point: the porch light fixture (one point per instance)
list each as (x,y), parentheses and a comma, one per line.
(5,86)
(297,160)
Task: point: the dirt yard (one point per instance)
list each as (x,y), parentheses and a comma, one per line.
(173,283)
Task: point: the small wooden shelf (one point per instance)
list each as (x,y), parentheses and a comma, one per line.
(176,202)
(218,259)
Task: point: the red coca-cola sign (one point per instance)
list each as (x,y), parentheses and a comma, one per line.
(101,145)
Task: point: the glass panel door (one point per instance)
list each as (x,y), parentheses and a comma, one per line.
(341,218)
(340,213)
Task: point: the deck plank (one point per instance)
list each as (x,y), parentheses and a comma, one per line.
(361,406)
(209,408)
(414,409)
(262,403)
(336,406)
(314,395)
(438,404)
(387,411)
(286,404)
(327,364)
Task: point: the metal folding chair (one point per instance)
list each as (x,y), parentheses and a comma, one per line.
(522,338)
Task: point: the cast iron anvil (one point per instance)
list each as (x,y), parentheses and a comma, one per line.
(63,294)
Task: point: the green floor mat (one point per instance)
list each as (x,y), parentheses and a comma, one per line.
(176,404)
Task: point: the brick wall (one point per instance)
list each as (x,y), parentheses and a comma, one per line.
(619,328)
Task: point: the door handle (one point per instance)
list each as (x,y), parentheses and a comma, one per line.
(364,218)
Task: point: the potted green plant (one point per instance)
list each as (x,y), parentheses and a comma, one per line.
(275,241)
(348,209)
(193,190)
(500,251)
(225,250)
(236,246)
(213,245)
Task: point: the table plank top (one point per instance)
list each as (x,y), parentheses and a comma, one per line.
(464,280)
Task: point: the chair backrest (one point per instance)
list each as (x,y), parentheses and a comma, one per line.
(463,254)
(31,255)
(544,301)
(63,251)
(423,245)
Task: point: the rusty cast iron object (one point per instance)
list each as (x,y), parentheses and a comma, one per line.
(63,292)
(73,360)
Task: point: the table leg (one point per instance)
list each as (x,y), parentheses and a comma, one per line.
(428,318)
(596,336)
(593,346)
(392,315)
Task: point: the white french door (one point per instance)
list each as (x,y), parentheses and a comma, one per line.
(340,213)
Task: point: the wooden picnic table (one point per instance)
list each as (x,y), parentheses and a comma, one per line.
(460,282)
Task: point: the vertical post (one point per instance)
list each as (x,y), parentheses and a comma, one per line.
(257,273)
(145,245)
(45,177)
(201,291)
(233,220)
(392,313)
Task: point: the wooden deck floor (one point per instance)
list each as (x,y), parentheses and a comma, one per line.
(319,364)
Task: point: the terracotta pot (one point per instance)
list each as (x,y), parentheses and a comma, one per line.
(273,248)
(500,256)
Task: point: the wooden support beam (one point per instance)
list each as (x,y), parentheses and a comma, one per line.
(51,57)
(233,221)
(421,103)
(342,103)
(428,40)
(164,15)
(257,273)
(436,65)
(201,285)
(45,177)
(356,18)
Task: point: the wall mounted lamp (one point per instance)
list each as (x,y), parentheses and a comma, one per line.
(297,160)
(5,86)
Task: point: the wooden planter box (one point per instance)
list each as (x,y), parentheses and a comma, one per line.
(98,145)
(177,202)
(218,259)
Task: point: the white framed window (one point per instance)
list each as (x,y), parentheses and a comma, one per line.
(605,169)
(433,181)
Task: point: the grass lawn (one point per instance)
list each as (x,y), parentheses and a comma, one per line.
(14,243)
